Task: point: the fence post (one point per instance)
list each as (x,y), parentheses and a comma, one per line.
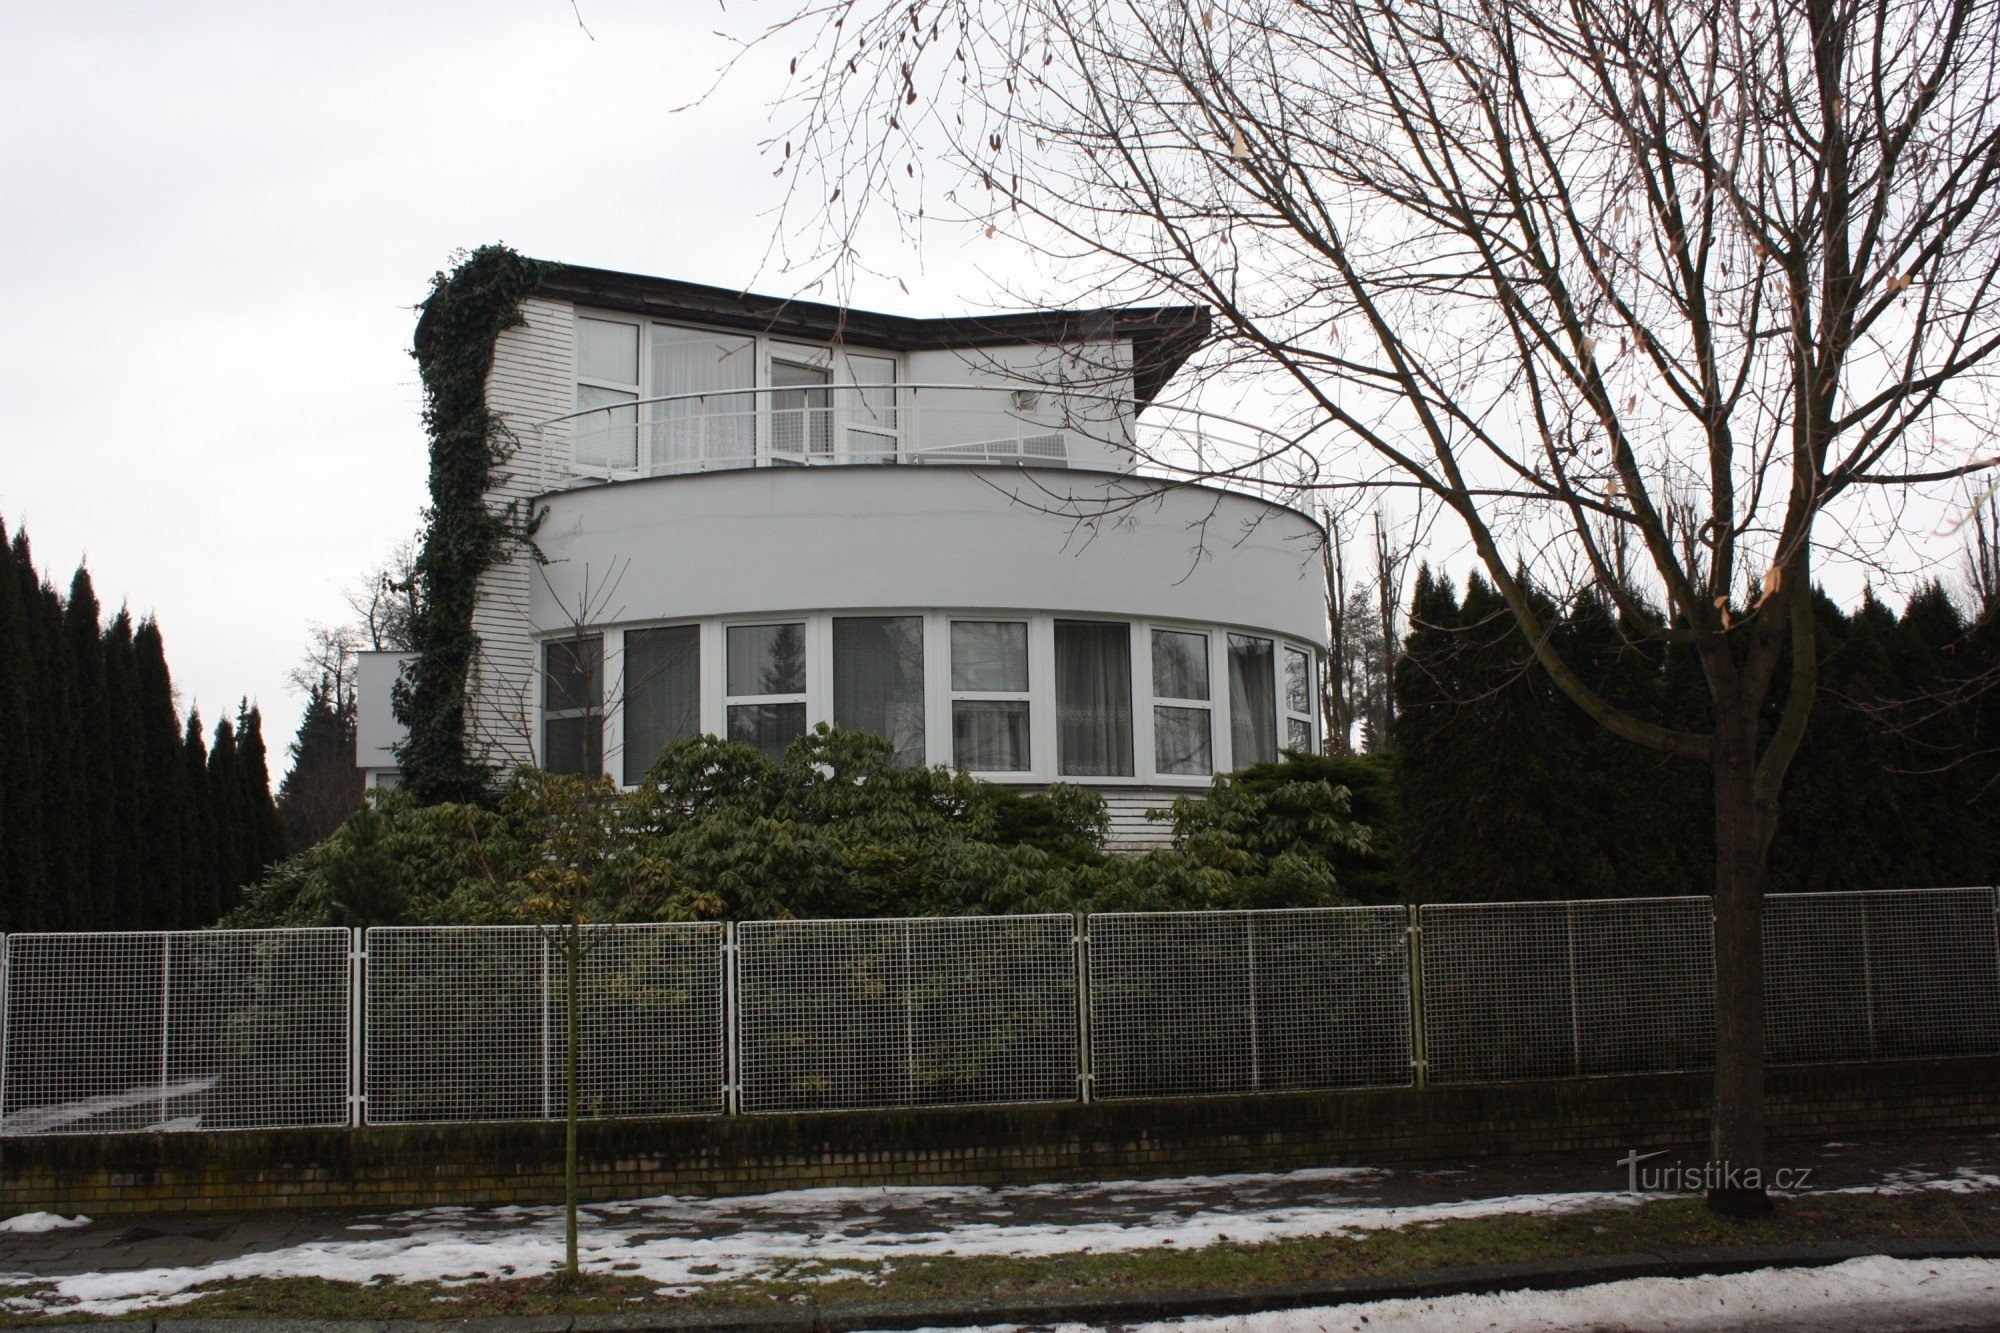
(732,1060)
(544,936)
(909,1021)
(166,1013)
(1575,1001)
(1080,951)
(6,964)
(1867,975)
(355,1026)
(1250,971)
(1413,936)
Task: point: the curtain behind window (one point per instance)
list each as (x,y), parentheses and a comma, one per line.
(1093,699)
(878,680)
(1253,700)
(721,427)
(662,693)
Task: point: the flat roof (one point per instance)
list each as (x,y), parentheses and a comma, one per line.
(1162,337)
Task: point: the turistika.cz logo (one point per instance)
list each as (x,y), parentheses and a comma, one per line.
(1702,1177)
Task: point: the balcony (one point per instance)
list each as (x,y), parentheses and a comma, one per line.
(846,425)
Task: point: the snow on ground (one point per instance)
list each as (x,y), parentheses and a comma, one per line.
(683,1244)
(31,1223)
(1861,1293)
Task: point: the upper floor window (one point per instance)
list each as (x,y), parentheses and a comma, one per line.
(607,376)
(735,399)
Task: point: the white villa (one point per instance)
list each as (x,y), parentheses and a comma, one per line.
(759,515)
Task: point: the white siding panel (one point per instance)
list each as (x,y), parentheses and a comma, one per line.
(533,379)
(1130,830)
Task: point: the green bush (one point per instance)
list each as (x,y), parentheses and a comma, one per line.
(833,829)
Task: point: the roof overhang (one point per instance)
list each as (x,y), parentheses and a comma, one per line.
(1162,337)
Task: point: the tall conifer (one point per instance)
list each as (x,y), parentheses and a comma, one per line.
(201,901)
(167,847)
(229,811)
(92,819)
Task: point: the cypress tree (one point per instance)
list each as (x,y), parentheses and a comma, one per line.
(126,782)
(93,818)
(17,883)
(1426,792)
(323,785)
(163,865)
(201,901)
(228,810)
(264,842)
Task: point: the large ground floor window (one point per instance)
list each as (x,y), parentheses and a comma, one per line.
(1009,695)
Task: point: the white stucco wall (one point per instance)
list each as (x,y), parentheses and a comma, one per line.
(376,730)
(749,542)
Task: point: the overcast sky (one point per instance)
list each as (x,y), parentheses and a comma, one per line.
(216,218)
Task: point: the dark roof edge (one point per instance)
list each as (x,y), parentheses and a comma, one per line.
(1163,337)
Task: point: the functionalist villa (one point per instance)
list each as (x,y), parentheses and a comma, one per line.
(759,515)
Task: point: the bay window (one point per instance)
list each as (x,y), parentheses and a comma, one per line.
(573,706)
(989,696)
(1182,741)
(1093,698)
(1253,700)
(662,693)
(765,680)
(878,681)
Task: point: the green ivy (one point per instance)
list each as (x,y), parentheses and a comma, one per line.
(468,308)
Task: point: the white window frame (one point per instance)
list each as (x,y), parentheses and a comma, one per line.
(1037,670)
(815,630)
(545,715)
(845,395)
(1216,743)
(1285,714)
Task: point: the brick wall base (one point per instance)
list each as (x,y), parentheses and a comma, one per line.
(115,1174)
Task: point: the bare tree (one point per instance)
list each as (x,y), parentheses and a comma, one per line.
(1709,284)
(385,602)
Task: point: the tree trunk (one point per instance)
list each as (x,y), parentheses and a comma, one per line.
(1736,1184)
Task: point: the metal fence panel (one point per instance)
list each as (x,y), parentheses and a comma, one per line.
(1880,975)
(470,1022)
(1193,1003)
(921,1011)
(219,1029)
(1562,989)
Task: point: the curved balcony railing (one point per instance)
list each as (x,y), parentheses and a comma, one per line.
(1038,425)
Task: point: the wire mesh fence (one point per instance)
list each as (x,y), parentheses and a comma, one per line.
(1190,1003)
(228,1029)
(1566,989)
(921,1011)
(1881,975)
(285,1028)
(471,1022)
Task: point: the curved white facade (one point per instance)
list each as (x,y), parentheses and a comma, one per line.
(760,540)
(1092,581)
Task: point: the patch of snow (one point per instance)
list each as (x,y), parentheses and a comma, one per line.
(1861,1293)
(34,1223)
(47,1119)
(683,1244)
(1965,1180)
